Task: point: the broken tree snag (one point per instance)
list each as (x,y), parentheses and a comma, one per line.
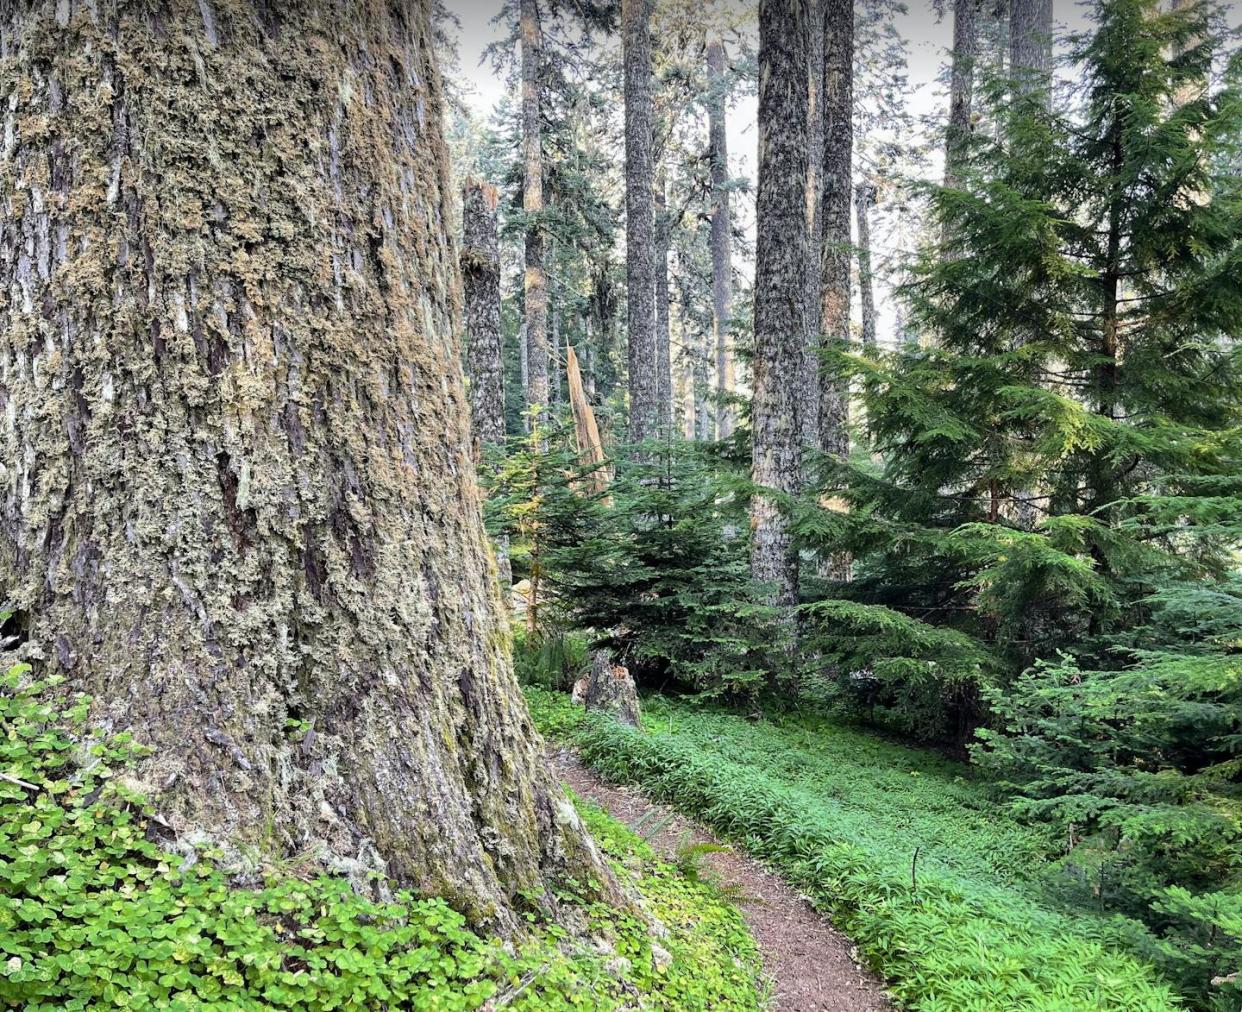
(608,688)
(590,446)
(239,492)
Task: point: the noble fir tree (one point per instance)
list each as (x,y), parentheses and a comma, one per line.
(239,488)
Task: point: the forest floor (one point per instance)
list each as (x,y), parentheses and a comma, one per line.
(942,889)
(810,967)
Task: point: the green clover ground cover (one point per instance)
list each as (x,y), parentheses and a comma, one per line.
(95,915)
(939,886)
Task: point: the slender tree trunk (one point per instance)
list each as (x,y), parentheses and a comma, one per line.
(535,282)
(640,240)
(1030,45)
(864,200)
(556,360)
(961,88)
(480,264)
(524,354)
(480,268)
(809,376)
(834,200)
(721,240)
(701,351)
(238,486)
(780,288)
(664,364)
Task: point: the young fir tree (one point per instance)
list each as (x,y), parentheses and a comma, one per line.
(1083,312)
(1085,368)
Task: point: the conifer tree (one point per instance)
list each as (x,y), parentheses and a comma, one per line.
(640,237)
(239,490)
(535,280)
(722,263)
(780,289)
(1084,311)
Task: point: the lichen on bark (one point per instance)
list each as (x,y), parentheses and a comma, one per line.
(237,491)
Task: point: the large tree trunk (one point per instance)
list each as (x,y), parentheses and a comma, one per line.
(809,376)
(834,199)
(780,288)
(1030,45)
(640,240)
(480,268)
(961,87)
(721,239)
(864,200)
(535,280)
(238,486)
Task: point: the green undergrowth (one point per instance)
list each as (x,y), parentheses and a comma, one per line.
(95,913)
(942,890)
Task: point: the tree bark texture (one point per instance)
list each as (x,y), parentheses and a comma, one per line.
(237,485)
(864,200)
(809,376)
(721,238)
(640,239)
(836,253)
(1030,45)
(961,87)
(480,269)
(664,351)
(535,279)
(780,288)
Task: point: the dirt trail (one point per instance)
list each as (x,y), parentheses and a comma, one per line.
(808,964)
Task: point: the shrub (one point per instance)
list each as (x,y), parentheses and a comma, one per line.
(1138,766)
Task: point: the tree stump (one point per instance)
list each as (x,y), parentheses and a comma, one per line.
(610,688)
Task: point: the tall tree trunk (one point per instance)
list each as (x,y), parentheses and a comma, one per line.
(864,200)
(834,201)
(480,268)
(664,363)
(780,288)
(961,88)
(238,485)
(556,360)
(535,280)
(722,239)
(809,375)
(640,241)
(699,346)
(1030,45)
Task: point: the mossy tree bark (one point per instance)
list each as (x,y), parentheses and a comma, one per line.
(780,288)
(237,480)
